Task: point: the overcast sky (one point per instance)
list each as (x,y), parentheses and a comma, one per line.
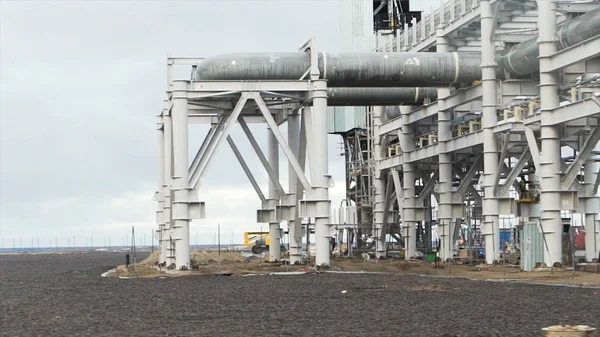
(80,85)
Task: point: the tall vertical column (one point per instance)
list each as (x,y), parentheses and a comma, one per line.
(295,226)
(181,190)
(160,194)
(379,186)
(319,163)
(274,232)
(491,224)
(409,221)
(444,220)
(167,233)
(550,160)
(592,227)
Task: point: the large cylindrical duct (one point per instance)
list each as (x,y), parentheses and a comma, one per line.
(347,69)
(401,69)
(522,59)
(379,96)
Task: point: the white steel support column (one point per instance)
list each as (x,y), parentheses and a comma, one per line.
(319,163)
(592,219)
(274,232)
(166,190)
(444,221)
(160,195)
(181,190)
(409,220)
(491,225)
(295,226)
(379,186)
(550,159)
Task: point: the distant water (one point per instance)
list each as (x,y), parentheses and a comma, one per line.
(91,249)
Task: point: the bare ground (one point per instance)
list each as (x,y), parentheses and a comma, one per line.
(208,263)
(63,295)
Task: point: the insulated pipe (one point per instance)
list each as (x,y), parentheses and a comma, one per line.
(347,69)
(359,96)
(274,232)
(491,225)
(391,69)
(550,135)
(522,59)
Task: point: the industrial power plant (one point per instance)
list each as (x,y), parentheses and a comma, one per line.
(470,129)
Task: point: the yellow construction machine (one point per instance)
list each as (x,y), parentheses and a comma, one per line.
(259,241)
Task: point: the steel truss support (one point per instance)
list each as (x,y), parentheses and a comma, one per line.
(445,210)
(549,167)
(467,180)
(246,169)
(390,197)
(204,161)
(491,225)
(573,170)
(273,177)
(501,190)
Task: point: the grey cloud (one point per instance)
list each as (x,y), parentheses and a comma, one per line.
(81,82)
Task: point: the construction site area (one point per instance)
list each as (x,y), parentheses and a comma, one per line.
(469,128)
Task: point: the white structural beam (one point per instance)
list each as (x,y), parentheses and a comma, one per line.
(180,189)
(168,257)
(458,98)
(445,214)
(286,149)
(576,6)
(575,167)
(589,107)
(582,51)
(501,190)
(274,196)
(214,119)
(160,194)
(273,176)
(491,224)
(379,188)
(210,137)
(409,202)
(295,225)
(551,220)
(196,176)
(200,88)
(246,169)
(591,177)
(317,204)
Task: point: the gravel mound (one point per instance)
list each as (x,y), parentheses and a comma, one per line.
(64,295)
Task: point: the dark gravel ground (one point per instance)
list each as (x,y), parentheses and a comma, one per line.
(64,295)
